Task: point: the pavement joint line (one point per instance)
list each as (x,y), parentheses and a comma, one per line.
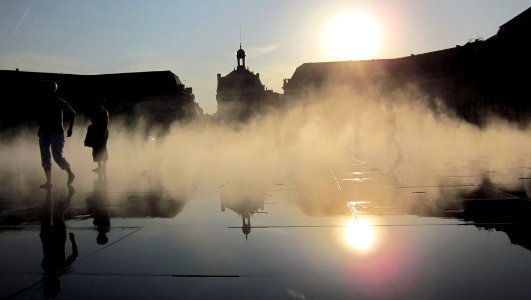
(33,227)
(377,225)
(505,193)
(110,244)
(23,290)
(25,273)
(378,187)
(437,186)
(512,197)
(335,178)
(330,188)
(158,275)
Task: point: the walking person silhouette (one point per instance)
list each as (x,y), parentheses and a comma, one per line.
(51,130)
(390,132)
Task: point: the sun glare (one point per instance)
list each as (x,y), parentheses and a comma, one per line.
(352,36)
(359,234)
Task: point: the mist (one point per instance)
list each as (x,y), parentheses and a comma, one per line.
(403,142)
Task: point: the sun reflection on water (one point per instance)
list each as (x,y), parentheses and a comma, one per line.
(359,234)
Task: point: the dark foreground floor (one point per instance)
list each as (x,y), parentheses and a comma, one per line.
(455,230)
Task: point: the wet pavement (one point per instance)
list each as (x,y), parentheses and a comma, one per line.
(447,229)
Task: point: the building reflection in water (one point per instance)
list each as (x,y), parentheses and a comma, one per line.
(53,238)
(152,198)
(487,206)
(495,208)
(245,200)
(475,201)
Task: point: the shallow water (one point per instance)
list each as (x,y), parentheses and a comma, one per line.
(338,231)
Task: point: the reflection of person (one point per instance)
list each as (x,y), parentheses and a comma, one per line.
(357,122)
(100,211)
(390,131)
(97,135)
(53,239)
(51,131)
(390,123)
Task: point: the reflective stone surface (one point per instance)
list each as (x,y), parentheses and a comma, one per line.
(351,230)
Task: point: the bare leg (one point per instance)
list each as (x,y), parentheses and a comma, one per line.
(98,168)
(71,176)
(102,172)
(48,173)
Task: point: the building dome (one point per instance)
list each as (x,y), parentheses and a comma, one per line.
(240,54)
(240,57)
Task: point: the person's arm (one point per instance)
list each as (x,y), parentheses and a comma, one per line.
(106,116)
(71,117)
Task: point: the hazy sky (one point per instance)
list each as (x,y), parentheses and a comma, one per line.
(198,39)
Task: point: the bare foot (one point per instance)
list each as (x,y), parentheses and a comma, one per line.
(71,178)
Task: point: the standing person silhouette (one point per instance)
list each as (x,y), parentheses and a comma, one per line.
(97,135)
(51,130)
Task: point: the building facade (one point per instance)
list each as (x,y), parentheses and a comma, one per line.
(241,95)
(159,97)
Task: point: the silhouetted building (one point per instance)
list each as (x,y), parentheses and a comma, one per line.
(241,94)
(157,96)
(479,78)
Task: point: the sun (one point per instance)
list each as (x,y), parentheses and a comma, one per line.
(359,234)
(352,36)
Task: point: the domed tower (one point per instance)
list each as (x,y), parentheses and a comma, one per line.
(240,55)
(241,94)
